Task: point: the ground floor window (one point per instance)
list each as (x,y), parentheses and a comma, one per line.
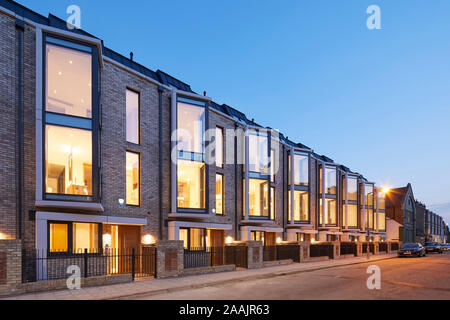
(330,212)
(191,184)
(74,237)
(193,238)
(258,196)
(301,237)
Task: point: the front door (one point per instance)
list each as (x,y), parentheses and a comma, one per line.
(216,242)
(129,239)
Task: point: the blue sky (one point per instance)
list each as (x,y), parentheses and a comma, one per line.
(377,101)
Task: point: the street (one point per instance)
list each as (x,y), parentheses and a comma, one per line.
(401,278)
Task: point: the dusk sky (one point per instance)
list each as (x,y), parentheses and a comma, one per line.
(377,101)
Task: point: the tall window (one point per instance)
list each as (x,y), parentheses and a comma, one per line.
(301,187)
(273,205)
(219,194)
(258,152)
(330,194)
(370,205)
(219,147)
(69,133)
(381,211)
(132,106)
(133,178)
(191,166)
(350,191)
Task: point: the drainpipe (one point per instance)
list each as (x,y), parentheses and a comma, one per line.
(20,26)
(160,93)
(247,168)
(236,126)
(323,193)
(173,146)
(292,188)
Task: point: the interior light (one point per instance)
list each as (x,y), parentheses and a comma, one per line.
(229,240)
(278,240)
(121,202)
(107,239)
(148,239)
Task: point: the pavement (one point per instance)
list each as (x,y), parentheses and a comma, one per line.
(154,288)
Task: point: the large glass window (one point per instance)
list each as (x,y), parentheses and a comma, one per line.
(69,130)
(74,237)
(368,192)
(301,206)
(133,178)
(132,110)
(352,215)
(219,194)
(258,152)
(258,198)
(68,81)
(381,201)
(273,203)
(330,180)
(330,212)
(193,238)
(352,189)
(258,236)
(382,221)
(301,170)
(191,184)
(68,161)
(191,128)
(219,147)
(85,236)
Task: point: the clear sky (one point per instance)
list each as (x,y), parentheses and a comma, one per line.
(377,101)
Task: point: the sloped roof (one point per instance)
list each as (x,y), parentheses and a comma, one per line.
(396,197)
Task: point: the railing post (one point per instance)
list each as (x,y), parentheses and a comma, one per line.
(132,264)
(85,263)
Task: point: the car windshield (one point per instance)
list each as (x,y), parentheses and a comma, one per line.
(410,246)
(431,243)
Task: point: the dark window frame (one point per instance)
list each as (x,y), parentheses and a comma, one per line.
(95,119)
(223,194)
(139,178)
(69,251)
(128,88)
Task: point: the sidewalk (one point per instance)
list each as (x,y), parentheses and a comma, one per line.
(156,286)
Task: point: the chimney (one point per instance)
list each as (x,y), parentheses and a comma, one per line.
(131,55)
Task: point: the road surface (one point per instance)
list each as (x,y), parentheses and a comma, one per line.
(401,278)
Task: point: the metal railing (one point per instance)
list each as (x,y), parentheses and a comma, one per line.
(348,248)
(383,247)
(270,253)
(236,255)
(44,265)
(203,257)
(291,251)
(321,250)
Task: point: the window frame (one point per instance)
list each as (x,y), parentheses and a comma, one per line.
(69,251)
(223,194)
(300,187)
(189,239)
(139,116)
(139,179)
(350,202)
(222,130)
(190,156)
(94,121)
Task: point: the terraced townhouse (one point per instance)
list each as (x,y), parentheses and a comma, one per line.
(98,151)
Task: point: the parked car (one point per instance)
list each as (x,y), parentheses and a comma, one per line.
(433,247)
(446,246)
(412,250)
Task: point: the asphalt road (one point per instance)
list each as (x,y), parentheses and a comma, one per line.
(401,278)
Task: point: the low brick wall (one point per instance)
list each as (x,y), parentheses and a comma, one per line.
(208,270)
(11,290)
(267,264)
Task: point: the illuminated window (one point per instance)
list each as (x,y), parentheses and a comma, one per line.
(381,201)
(330,212)
(59,235)
(68,161)
(219,194)
(273,204)
(301,206)
(382,221)
(133,178)
(351,187)
(352,215)
(85,236)
(132,110)
(193,238)
(191,184)
(69,81)
(258,236)
(70,89)
(258,198)
(219,147)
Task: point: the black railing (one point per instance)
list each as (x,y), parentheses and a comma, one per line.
(43,265)
(203,257)
(270,253)
(291,251)
(321,250)
(236,255)
(382,247)
(348,248)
